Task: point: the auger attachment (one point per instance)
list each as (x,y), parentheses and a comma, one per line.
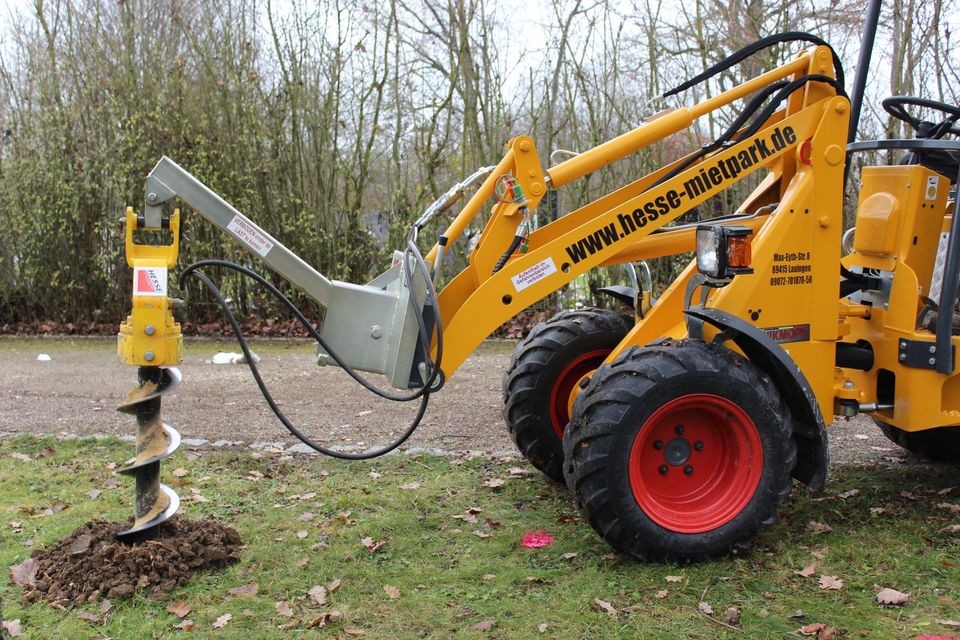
(156,440)
(151,340)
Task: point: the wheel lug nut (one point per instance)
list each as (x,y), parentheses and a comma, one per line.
(698,445)
(663,469)
(688,469)
(658,444)
(679,429)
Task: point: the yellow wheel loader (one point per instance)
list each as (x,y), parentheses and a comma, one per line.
(679,429)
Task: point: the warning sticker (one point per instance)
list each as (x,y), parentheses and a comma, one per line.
(150,281)
(248,235)
(534,274)
(932,183)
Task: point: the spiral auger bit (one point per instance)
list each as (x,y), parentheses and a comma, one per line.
(151,340)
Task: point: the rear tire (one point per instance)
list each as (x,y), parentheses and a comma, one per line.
(941,444)
(681,451)
(543,370)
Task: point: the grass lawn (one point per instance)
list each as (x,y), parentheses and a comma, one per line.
(437,576)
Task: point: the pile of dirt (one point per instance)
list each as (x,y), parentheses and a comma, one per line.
(91,563)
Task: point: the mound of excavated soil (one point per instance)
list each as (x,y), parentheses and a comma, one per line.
(91,563)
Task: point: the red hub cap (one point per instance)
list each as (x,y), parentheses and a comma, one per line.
(695,463)
(563,387)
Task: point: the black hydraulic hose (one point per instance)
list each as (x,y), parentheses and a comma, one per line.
(749,50)
(434,371)
(509,252)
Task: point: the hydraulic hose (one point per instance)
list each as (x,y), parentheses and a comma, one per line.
(434,374)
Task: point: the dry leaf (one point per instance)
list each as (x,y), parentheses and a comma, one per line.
(22,457)
(542,627)
(807,571)
(89,617)
(283,608)
(488,576)
(660,595)
(353,631)
(302,562)
(818,527)
(106,606)
(952,508)
(674,578)
(481,534)
(362,414)
(892,597)
(705,608)
(850,494)
(606,606)
(495,483)
(877,510)
(186,625)
(25,573)
(94,493)
(569,556)
(410,485)
(246,590)
(484,625)
(953,528)
(372,546)
(830,583)
(307,516)
(303,533)
(908,495)
(179,609)
(519,472)
(812,629)
(13,628)
(375,475)
(392,592)
(179,473)
(319,594)
(950,623)
(333,586)
(732,616)
(222,621)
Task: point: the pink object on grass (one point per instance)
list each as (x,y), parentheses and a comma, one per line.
(536,539)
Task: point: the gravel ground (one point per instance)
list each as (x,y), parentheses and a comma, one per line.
(77,392)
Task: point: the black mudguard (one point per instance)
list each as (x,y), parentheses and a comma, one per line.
(809,430)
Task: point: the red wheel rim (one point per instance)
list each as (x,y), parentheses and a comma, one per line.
(695,463)
(563,387)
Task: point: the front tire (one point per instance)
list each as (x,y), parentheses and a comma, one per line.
(941,444)
(543,371)
(681,451)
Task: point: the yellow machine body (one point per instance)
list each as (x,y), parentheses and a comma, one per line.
(150,336)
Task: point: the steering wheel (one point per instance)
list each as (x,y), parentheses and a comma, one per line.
(894,105)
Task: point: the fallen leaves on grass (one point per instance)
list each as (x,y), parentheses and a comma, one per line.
(536,539)
(186,625)
(410,486)
(469,516)
(952,508)
(606,606)
(542,627)
(807,571)
(953,528)
(283,608)
(674,578)
(819,629)
(246,590)
(331,617)
(519,472)
(892,597)
(89,617)
(705,608)
(494,483)
(569,556)
(13,628)
(302,533)
(850,494)
(307,516)
(302,562)
(954,624)
(392,592)
(222,621)
(484,625)
(25,573)
(94,493)
(372,546)
(334,585)
(319,594)
(22,457)
(731,615)
(179,609)
(830,583)
(818,527)
(179,472)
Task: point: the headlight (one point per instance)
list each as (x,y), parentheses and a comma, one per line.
(723,252)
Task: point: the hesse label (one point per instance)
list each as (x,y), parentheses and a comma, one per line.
(249,236)
(708,178)
(150,281)
(534,274)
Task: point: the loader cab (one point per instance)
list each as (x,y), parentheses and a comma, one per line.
(902,264)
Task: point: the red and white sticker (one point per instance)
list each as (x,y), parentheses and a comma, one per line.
(249,235)
(150,281)
(534,274)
